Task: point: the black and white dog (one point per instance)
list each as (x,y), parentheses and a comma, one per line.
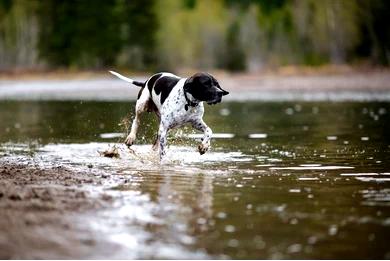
(176,101)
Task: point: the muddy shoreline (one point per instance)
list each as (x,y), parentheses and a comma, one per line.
(43,211)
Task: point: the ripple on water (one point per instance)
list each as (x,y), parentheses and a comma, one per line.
(375,197)
(214,135)
(369,177)
(373,179)
(112,135)
(258,135)
(312,167)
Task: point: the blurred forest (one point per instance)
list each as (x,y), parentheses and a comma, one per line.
(235,35)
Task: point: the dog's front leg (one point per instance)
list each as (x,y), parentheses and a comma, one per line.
(205,145)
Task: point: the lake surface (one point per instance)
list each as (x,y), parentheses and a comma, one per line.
(284,180)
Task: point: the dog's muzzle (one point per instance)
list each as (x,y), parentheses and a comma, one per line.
(217,97)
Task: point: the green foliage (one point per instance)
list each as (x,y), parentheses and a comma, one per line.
(140,23)
(18,34)
(5,5)
(184,34)
(78,33)
(235,60)
(190,38)
(190,4)
(374,31)
(266,5)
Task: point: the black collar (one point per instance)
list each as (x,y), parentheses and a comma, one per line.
(189,102)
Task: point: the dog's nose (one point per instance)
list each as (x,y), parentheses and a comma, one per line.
(222,92)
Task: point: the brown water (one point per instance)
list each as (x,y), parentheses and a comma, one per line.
(283,180)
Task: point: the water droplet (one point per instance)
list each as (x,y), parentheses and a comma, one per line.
(233,243)
(312,240)
(259,242)
(187,240)
(230,228)
(201,221)
(221,215)
(289,111)
(281,208)
(333,229)
(224,112)
(295,248)
(382,111)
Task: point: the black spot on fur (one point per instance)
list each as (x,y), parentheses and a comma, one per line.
(140,92)
(164,85)
(152,80)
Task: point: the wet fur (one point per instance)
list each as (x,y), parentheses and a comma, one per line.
(176,102)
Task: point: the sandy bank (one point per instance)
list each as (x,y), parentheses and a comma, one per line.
(333,85)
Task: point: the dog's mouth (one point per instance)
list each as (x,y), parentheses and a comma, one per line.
(214,101)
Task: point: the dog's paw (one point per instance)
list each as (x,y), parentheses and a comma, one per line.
(202,148)
(129,140)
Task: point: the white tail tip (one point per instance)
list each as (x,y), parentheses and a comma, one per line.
(120,76)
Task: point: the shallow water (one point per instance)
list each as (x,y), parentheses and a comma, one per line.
(283,180)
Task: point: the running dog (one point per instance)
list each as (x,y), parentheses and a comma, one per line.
(176,101)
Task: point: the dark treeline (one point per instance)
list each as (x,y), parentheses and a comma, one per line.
(172,34)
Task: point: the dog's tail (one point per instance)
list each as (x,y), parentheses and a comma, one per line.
(120,76)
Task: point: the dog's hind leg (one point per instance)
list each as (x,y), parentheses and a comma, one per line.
(140,106)
(156,143)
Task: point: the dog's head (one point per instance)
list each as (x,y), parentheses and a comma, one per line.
(204,87)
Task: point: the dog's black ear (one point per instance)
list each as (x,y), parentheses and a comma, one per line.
(188,83)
